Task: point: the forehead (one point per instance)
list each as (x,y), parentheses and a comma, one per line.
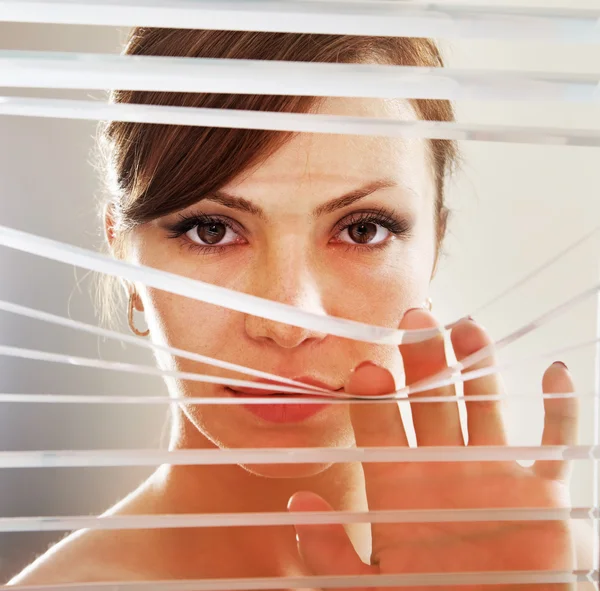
(330,164)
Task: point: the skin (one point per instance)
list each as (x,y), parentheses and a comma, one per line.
(296,253)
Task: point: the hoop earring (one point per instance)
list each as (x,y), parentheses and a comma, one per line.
(429,304)
(132,327)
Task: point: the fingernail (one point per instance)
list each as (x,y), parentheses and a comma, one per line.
(365,364)
(561,363)
(421,309)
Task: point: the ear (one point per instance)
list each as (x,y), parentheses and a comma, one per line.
(442,226)
(137,302)
(110,235)
(109,224)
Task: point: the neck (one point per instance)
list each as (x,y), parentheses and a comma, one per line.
(236,489)
(218,488)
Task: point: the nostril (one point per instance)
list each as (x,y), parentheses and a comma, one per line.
(282,335)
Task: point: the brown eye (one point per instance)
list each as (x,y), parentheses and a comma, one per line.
(363,233)
(367,233)
(211,233)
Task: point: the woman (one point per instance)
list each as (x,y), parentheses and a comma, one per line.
(348,226)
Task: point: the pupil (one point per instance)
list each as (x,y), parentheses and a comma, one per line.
(211,233)
(363,233)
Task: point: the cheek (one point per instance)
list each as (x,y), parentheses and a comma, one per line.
(182,322)
(192,325)
(379,289)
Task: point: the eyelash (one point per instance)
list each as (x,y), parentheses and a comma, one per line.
(382,217)
(189,222)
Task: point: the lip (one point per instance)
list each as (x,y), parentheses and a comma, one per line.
(309,381)
(282,413)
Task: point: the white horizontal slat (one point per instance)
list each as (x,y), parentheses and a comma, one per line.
(444,378)
(147,344)
(343,17)
(225,457)
(148,370)
(116,399)
(296,122)
(207,292)
(333,582)
(150,73)
(126,522)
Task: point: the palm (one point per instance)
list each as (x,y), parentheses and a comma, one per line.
(449,547)
(470,546)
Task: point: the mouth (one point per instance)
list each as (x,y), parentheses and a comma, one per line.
(279,412)
(270,388)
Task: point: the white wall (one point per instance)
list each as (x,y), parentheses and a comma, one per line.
(514,207)
(48,186)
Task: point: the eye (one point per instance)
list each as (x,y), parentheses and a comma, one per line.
(212,233)
(372,228)
(364,233)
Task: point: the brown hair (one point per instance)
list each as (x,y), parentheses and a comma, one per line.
(154,170)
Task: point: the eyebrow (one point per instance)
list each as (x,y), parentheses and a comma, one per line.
(345,200)
(353,196)
(234,202)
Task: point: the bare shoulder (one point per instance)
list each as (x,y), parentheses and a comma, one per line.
(90,556)
(83,557)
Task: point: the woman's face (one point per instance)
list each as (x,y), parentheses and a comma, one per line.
(338,225)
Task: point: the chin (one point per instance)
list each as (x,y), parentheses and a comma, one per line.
(242,429)
(285,470)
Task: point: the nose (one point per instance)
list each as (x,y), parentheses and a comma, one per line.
(286,280)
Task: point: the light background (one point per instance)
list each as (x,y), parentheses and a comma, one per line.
(514,207)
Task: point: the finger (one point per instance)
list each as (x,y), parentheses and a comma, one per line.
(560,419)
(376,425)
(484,419)
(435,423)
(326,549)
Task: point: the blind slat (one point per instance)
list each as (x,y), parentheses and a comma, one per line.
(346,18)
(117,399)
(151,73)
(128,522)
(222,457)
(296,122)
(332,582)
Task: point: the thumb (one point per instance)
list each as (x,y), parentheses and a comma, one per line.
(326,549)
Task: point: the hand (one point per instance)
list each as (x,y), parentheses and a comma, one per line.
(449,547)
